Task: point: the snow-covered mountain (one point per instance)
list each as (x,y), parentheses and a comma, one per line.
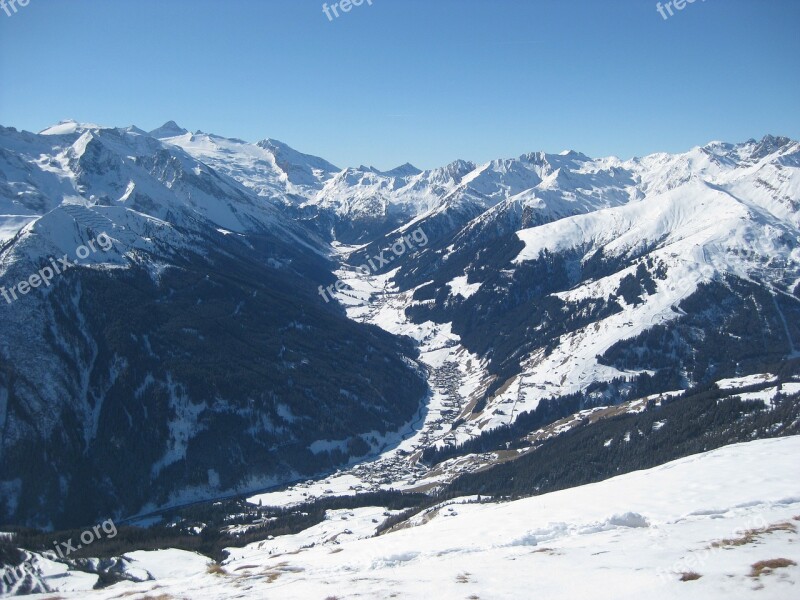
(357,205)
(188,354)
(270,168)
(675,271)
(548,280)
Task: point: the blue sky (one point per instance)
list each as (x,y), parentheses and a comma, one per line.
(424,81)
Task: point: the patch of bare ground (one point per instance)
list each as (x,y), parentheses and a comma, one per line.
(752,535)
(130,593)
(274,572)
(216,569)
(430,516)
(690,576)
(548,551)
(765,567)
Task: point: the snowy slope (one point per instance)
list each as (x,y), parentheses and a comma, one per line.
(572,243)
(715,515)
(74,163)
(699,231)
(270,168)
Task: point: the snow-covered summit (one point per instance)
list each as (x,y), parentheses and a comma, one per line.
(168,130)
(68,126)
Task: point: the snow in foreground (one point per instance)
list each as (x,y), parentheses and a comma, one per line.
(628,537)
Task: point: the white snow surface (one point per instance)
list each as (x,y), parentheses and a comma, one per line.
(460,286)
(627,537)
(739,382)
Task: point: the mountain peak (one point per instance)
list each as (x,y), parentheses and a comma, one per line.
(270,144)
(405,170)
(770,144)
(573,154)
(285,154)
(458,169)
(168,130)
(68,126)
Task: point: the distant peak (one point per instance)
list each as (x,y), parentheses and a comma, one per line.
(288,155)
(169,129)
(269,143)
(405,170)
(460,167)
(770,144)
(775,141)
(573,154)
(68,126)
(536,158)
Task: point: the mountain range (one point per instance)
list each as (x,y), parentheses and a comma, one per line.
(196,358)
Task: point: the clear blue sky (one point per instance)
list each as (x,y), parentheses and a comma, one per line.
(425,81)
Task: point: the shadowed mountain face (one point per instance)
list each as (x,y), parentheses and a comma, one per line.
(191,358)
